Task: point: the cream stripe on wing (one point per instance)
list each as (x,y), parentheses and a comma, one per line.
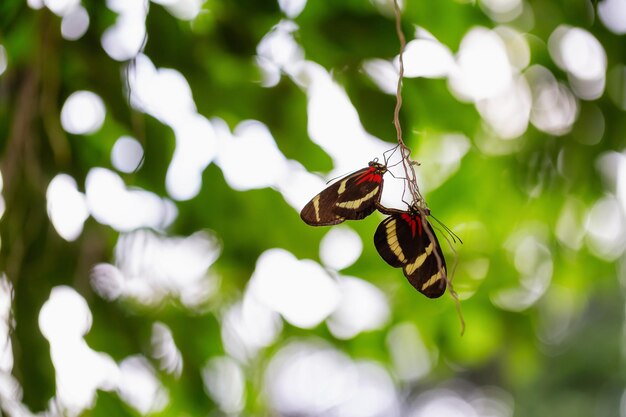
(433,279)
(392,241)
(342,186)
(316,206)
(410,268)
(355,204)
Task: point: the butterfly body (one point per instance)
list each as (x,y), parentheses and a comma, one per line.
(406,240)
(352,197)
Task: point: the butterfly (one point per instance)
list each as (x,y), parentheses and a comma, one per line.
(406,240)
(352,197)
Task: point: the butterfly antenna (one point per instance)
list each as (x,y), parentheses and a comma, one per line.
(454,236)
(394,165)
(340,176)
(333,179)
(391,173)
(398,178)
(392,150)
(449,277)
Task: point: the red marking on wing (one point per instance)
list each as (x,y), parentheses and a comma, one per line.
(369,175)
(414,222)
(364,177)
(407,218)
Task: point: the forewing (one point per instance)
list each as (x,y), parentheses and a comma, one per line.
(358,194)
(320,211)
(426,271)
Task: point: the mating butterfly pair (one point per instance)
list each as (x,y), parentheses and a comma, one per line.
(404,239)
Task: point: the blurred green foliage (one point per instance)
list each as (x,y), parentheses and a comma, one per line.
(489,199)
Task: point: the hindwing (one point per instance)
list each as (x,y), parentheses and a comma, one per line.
(352,197)
(403,242)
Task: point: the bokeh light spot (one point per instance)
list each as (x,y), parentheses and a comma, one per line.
(107,281)
(182,9)
(75,23)
(292,8)
(165,351)
(305,377)
(298,185)
(122,41)
(61,7)
(6,346)
(578,52)
(508,113)
(313,379)
(426,58)
(363,307)
(111,203)
(516,45)
(533,260)
(64,319)
(278,51)
(613,14)
(139,386)
(502,10)
(126,154)
(483,69)
(334,123)
(300,290)
(465,401)
(83,113)
(444,155)
(340,248)
(383,73)
(249,158)
(164,93)
(606,228)
(35,4)
(410,358)
(67,207)
(248,326)
(196,146)
(3,59)
(150,267)
(554,107)
(224,381)
(65,316)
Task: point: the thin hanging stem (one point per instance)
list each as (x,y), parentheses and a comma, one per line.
(396,113)
(405,152)
(407,163)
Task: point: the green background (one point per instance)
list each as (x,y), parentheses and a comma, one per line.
(563,355)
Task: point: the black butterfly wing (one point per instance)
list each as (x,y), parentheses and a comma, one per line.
(358,194)
(388,244)
(402,241)
(353,197)
(320,210)
(427,271)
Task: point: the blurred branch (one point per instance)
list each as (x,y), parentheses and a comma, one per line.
(50,79)
(22,168)
(15,165)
